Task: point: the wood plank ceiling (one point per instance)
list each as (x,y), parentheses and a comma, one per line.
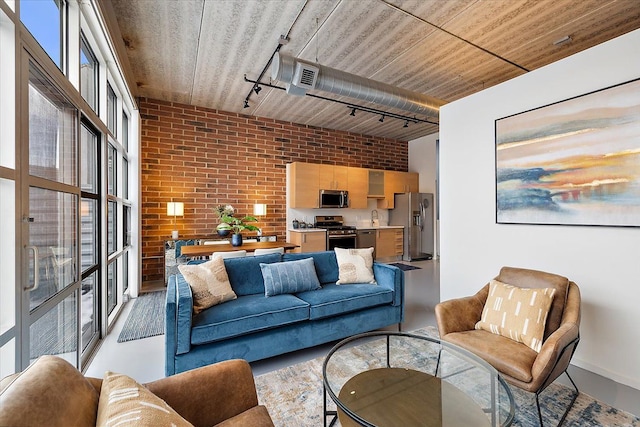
(198,51)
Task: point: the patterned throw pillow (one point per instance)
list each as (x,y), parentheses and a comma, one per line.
(517,313)
(289,277)
(355,266)
(209,283)
(124,402)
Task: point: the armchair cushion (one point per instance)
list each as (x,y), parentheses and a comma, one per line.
(122,400)
(516,313)
(209,283)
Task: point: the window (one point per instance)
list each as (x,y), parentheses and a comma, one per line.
(88,74)
(43,19)
(125,131)
(52,129)
(111,171)
(112,108)
(112,288)
(112,226)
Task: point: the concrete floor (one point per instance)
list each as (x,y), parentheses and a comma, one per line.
(144,359)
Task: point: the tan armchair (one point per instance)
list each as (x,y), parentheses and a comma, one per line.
(52,392)
(518,364)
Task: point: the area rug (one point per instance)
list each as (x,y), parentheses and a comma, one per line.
(294,397)
(146,318)
(404,267)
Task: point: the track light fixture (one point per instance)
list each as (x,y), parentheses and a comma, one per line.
(257,89)
(353,112)
(406,124)
(246,103)
(381,119)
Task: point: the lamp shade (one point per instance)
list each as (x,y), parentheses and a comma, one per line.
(175,209)
(259,209)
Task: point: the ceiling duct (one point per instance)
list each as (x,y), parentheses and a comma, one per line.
(300,76)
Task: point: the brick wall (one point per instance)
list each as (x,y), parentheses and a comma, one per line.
(206,158)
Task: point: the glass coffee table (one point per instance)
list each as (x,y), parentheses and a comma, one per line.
(400,379)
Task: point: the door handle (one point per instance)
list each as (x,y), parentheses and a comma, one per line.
(36,269)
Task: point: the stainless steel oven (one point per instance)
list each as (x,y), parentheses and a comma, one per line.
(338,234)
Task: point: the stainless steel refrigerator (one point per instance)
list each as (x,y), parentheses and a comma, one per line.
(414,211)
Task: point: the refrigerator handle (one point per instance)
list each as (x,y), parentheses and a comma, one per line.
(422,216)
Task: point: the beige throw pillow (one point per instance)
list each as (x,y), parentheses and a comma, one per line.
(355,266)
(517,313)
(124,402)
(209,283)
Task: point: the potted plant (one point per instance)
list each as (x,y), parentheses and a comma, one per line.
(221,211)
(237,226)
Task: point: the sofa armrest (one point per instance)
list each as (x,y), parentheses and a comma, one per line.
(390,277)
(460,314)
(555,355)
(209,395)
(178,312)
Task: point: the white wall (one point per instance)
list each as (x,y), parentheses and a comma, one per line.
(423,160)
(603,261)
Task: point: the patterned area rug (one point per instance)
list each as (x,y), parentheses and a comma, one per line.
(146,318)
(294,397)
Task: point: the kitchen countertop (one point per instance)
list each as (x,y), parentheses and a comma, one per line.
(378,227)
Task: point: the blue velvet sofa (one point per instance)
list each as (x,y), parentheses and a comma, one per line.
(254,327)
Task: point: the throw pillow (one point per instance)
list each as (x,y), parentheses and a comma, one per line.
(289,277)
(517,313)
(124,402)
(355,266)
(209,283)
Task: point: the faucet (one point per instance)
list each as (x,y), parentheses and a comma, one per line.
(374,216)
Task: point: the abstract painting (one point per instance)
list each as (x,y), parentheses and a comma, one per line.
(575,162)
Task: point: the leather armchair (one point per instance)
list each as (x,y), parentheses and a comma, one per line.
(518,364)
(52,392)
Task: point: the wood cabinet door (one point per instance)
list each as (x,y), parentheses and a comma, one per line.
(303,185)
(309,241)
(386,243)
(358,180)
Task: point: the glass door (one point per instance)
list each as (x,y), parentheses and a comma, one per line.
(51,218)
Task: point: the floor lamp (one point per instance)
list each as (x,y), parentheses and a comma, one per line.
(175,209)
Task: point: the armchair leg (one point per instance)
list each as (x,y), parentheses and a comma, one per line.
(566,412)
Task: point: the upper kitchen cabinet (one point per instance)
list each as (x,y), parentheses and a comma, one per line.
(376,184)
(397,182)
(332,177)
(358,188)
(303,185)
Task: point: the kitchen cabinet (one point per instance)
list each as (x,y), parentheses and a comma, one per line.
(397,182)
(303,184)
(358,180)
(308,241)
(331,177)
(389,243)
(376,184)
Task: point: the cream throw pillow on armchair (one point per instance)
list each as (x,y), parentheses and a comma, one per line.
(517,313)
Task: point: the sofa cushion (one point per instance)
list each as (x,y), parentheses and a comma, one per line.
(124,402)
(248,313)
(355,266)
(245,274)
(325,263)
(50,392)
(516,313)
(334,299)
(209,283)
(289,277)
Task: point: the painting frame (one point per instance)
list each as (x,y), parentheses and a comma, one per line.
(571,162)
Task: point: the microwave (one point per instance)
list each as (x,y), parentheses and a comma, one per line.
(334,199)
